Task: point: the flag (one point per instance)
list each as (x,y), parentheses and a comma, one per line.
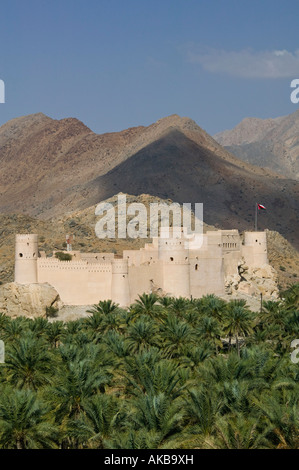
(261,207)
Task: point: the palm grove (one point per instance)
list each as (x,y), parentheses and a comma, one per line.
(166,373)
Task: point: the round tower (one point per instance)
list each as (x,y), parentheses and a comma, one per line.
(176,265)
(120,289)
(26,254)
(255,245)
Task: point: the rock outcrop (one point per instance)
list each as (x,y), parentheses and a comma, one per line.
(29,300)
(253,282)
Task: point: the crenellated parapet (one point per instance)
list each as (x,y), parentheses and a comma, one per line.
(70,265)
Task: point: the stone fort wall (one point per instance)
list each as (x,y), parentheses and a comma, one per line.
(77,282)
(171,266)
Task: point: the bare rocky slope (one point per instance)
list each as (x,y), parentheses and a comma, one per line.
(270,143)
(55,167)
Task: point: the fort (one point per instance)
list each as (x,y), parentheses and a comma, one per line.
(174,265)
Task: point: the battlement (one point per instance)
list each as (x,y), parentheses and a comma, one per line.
(52,264)
(27,237)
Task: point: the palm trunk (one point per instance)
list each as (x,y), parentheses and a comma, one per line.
(19,444)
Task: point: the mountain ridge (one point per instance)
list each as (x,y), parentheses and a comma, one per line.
(52,167)
(271,143)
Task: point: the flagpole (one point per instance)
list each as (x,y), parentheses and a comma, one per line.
(255,217)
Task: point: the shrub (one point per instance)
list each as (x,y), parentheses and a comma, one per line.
(63,256)
(51,312)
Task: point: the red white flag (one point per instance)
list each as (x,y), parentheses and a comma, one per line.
(261,207)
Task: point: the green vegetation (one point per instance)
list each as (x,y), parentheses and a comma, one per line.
(164,374)
(51,312)
(63,256)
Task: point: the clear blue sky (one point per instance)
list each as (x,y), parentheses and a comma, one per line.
(115,64)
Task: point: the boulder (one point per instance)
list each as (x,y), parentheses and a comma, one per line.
(265,272)
(253,282)
(29,300)
(247,288)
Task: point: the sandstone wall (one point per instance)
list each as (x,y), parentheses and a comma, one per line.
(77,282)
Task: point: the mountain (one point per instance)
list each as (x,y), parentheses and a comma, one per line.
(270,143)
(53,167)
(43,162)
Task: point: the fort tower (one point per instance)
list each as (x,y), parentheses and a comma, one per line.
(26,254)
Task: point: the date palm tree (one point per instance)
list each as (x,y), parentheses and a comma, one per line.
(116,344)
(55,333)
(13,329)
(113,321)
(151,378)
(24,422)
(146,373)
(273,313)
(202,409)
(198,353)
(38,326)
(179,306)
(159,414)
(141,334)
(147,304)
(238,322)
(291,297)
(4,319)
(176,335)
(104,307)
(79,381)
(29,364)
(235,432)
(210,305)
(101,417)
(209,330)
(282,417)
(165,301)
